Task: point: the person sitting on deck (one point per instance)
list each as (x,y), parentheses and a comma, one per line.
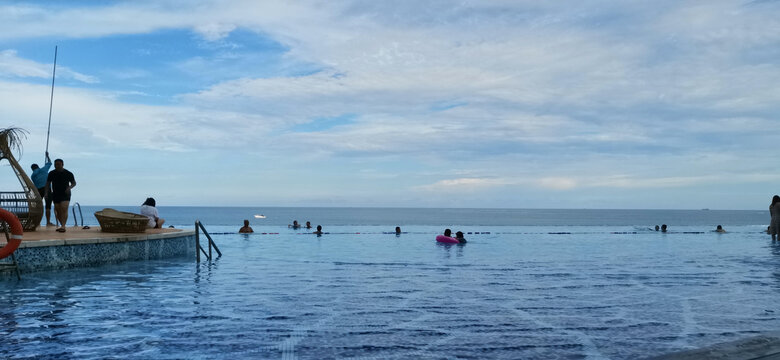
(246,228)
(459,236)
(149,210)
(38,177)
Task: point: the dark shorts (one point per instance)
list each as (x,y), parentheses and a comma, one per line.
(58,198)
(47,199)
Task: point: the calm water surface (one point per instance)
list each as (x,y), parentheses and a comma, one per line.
(535,292)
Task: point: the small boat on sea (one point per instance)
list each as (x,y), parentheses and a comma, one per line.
(260,216)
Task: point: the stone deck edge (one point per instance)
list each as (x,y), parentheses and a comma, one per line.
(101,240)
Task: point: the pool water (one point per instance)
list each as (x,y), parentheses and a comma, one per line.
(526,292)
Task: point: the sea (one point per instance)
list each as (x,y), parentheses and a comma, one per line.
(346,216)
(528,284)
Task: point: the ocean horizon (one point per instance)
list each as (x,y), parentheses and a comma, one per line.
(345,216)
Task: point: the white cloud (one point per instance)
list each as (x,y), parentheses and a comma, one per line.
(11,65)
(589,183)
(214,31)
(106,120)
(463,184)
(557,183)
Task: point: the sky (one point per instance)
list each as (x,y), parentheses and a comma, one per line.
(666,104)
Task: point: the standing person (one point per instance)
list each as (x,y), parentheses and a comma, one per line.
(148,208)
(39,176)
(774,212)
(58,185)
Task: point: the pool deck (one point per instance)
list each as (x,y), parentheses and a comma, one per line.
(764,347)
(48,236)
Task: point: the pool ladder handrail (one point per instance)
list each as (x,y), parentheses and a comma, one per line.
(198,249)
(75,219)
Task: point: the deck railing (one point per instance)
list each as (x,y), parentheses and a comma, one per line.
(28,210)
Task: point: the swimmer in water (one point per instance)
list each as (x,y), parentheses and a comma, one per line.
(246,228)
(459,236)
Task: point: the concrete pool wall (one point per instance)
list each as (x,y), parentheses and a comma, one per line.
(46,250)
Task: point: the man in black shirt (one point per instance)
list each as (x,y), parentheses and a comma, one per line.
(58,185)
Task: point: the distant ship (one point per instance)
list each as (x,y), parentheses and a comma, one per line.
(260,216)
(705,209)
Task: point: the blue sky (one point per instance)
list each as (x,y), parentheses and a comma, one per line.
(520,104)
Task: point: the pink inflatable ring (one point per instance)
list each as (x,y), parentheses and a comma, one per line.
(447,239)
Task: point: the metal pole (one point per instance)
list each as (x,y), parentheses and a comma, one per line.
(215,247)
(51,99)
(14,265)
(211,241)
(197,240)
(81,214)
(209,237)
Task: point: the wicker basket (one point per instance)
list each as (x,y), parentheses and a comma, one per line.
(115,221)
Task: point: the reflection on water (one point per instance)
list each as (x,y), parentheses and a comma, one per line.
(518,292)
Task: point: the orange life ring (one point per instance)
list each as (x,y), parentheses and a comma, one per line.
(16,233)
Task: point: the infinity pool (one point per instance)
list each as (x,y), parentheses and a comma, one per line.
(518,292)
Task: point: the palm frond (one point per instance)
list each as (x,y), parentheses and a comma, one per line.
(11,139)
